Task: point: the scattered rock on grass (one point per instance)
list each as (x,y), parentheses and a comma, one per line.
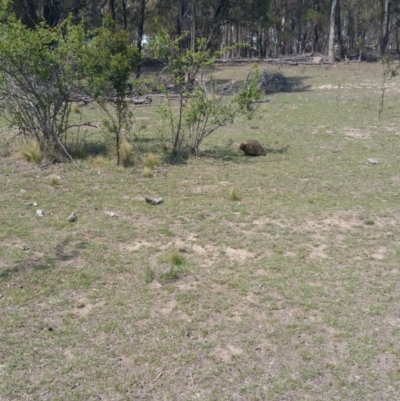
(153,201)
(373,161)
(72,217)
(40,213)
(111,214)
(53,177)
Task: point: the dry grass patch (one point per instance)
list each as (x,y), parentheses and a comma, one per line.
(147,172)
(151,160)
(125,153)
(30,151)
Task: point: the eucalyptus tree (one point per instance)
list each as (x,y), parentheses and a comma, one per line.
(331,55)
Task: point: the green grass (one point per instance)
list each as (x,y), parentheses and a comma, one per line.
(291,293)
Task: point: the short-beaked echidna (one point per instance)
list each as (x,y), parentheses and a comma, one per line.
(252,148)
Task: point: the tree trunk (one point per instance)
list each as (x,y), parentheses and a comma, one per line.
(51,12)
(338,24)
(331,47)
(385,26)
(27,13)
(125,14)
(193,30)
(142,8)
(112,9)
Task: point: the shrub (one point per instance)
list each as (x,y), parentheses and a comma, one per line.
(108,63)
(37,79)
(202,110)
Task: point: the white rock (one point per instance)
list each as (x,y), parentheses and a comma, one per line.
(72,217)
(40,213)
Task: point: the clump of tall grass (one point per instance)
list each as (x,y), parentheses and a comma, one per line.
(31,152)
(151,160)
(125,153)
(98,160)
(172,269)
(233,195)
(54,181)
(147,172)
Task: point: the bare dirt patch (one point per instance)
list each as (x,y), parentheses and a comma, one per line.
(356,133)
(238,254)
(225,354)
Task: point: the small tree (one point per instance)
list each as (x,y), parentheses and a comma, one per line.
(206,110)
(202,110)
(38,77)
(108,63)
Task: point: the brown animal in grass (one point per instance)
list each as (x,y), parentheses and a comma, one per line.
(252,148)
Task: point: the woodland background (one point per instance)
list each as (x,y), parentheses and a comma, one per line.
(364,29)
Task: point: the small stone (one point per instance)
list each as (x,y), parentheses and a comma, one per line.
(72,217)
(24,247)
(31,204)
(373,161)
(40,213)
(22,191)
(53,177)
(153,201)
(111,214)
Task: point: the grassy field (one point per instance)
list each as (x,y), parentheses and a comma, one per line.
(290,293)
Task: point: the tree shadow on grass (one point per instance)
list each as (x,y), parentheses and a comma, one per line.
(35,264)
(296,84)
(271,82)
(64,251)
(222,153)
(229,154)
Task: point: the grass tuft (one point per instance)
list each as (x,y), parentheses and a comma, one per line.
(53,181)
(147,172)
(177,259)
(168,273)
(98,160)
(31,152)
(125,153)
(170,268)
(148,274)
(233,195)
(151,160)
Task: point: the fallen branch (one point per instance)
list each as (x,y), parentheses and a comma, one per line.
(66,152)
